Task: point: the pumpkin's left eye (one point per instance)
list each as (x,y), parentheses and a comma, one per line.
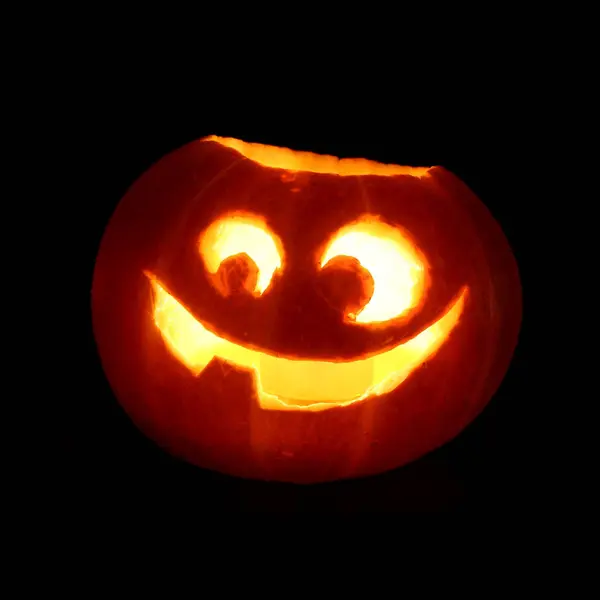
(394,263)
(243,250)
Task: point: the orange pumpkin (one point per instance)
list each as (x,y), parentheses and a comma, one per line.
(288,316)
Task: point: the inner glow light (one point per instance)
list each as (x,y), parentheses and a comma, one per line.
(240,233)
(296,384)
(392,260)
(292,160)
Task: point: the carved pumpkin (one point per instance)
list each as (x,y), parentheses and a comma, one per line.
(287,316)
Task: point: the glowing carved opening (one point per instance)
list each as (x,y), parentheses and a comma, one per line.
(395,264)
(292,160)
(290,384)
(241,233)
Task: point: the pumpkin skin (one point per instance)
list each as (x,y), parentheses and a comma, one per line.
(214,418)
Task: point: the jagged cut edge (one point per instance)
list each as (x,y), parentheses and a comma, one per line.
(292,160)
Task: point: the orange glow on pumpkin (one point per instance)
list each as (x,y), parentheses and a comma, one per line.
(368,311)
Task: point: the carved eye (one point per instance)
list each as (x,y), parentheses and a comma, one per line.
(387,264)
(242,253)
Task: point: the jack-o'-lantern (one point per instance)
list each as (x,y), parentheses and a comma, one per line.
(288,316)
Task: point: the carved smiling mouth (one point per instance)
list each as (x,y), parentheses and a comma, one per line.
(296,384)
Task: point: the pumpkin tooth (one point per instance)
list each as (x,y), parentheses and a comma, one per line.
(301,381)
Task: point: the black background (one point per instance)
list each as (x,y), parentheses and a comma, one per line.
(116,138)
